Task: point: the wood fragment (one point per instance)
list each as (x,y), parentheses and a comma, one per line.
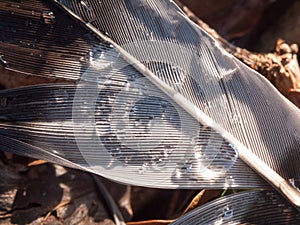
(61,204)
(6,215)
(36,162)
(203,197)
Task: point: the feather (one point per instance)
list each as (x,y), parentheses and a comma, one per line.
(259,208)
(44,116)
(159,101)
(39,39)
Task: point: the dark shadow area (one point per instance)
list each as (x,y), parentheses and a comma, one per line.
(38,38)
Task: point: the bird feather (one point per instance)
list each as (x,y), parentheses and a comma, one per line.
(158,103)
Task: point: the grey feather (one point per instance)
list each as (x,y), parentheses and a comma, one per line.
(159,104)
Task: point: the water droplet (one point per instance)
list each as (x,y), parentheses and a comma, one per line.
(288,210)
(151,117)
(90,16)
(178,76)
(207,105)
(197,153)
(108,82)
(160,163)
(125,162)
(131,77)
(61,95)
(293,183)
(187,167)
(133,110)
(178,173)
(48,17)
(16,6)
(227,213)
(235,118)
(164,105)
(137,123)
(111,98)
(127,86)
(118,151)
(229,180)
(84,4)
(150,36)
(2,61)
(167,149)
(143,168)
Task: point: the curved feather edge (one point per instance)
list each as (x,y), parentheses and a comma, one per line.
(41,117)
(251,207)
